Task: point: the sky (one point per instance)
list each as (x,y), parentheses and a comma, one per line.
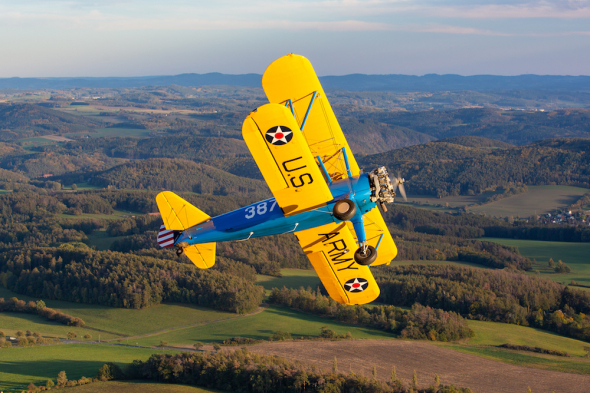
(68,38)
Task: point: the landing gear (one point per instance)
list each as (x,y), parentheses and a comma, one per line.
(344,209)
(365,255)
(179,251)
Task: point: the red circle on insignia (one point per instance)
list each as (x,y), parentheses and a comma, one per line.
(356,285)
(279,135)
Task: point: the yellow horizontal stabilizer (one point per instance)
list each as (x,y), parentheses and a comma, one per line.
(375,228)
(177,213)
(330,249)
(202,255)
(281,153)
(292,77)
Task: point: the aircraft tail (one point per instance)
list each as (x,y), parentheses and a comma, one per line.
(179,215)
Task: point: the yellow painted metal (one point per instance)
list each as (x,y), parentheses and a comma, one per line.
(202,255)
(292,77)
(290,170)
(326,246)
(177,213)
(374,228)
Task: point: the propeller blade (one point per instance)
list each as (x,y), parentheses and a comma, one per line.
(402,190)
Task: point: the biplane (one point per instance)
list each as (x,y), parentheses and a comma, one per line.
(320,194)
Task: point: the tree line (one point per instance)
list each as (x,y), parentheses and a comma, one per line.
(493,295)
(15,305)
(122,280)
(418,323)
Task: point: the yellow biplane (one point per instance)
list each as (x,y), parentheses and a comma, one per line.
(320,194)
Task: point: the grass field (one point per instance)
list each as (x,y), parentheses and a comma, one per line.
(109,319)
(121,132)
(20,366)
(261,326)
(137,387)
(292,278)
(537,200)
(555,363)
(575,255)
(101,240)
(495,333)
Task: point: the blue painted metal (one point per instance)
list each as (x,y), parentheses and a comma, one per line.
(379,242)
(323,167)
(290,104)
(308,109)
(346,163)
(265,218)
(359,228)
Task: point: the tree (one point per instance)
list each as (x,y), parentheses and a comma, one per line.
(374,373)
(2,334)
(393,375)
(62,379)
(198,345)
(74,187)
(163,344)
(216,347)
(335,366)
(72,335)
(32,387)
(414,382)
(49,384)
(280,335)
(20,333)
(551,263)
(87,336)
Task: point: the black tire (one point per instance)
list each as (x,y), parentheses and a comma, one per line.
(179,251)
(344,209)
(365,258)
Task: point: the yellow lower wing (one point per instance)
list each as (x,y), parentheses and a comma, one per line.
(281,153)
(330,249)
(377,234)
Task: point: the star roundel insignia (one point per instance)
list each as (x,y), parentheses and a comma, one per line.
(356,285)
(279,135)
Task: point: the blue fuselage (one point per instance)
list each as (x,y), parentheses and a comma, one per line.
(266,218)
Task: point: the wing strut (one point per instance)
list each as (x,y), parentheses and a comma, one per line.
(308,109)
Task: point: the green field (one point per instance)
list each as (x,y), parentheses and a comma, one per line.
(546,362)
(292,278)
(575,255)
(261,326)
(496,333)
(120,132)
(137,387)
(114,322)
(20,366)
(537,200)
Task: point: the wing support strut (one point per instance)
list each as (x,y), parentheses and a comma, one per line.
(308,109)
(346,162)
(323,167)
(289,103)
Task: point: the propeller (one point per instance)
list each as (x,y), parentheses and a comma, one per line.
(399,182)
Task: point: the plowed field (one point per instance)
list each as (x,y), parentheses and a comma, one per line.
(460,369)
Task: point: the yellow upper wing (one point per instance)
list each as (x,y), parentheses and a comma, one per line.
(330,249)
(292,78)
(378,236)
(280,151)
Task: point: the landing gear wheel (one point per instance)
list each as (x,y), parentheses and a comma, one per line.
(179,251)
(365,256)
(344,209)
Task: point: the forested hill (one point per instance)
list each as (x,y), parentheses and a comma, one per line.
(178,175)
(358,82)
(477,141)
(443,168)
(26,120)
(515,127)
